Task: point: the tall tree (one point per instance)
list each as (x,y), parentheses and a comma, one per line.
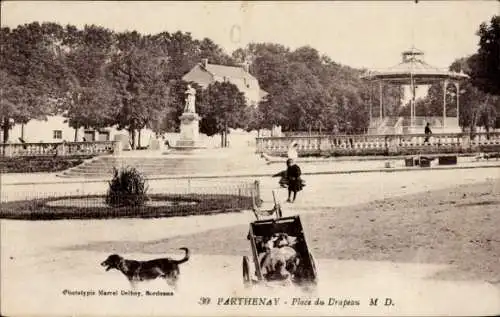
(87,95)
(223,107)
(485,65)
(31,72)
(138,75)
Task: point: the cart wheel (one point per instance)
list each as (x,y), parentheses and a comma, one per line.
(246,272)
(278,211)
(314,278)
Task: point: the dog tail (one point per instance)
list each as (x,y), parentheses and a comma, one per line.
(186,257)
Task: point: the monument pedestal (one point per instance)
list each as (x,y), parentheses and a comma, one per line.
(189,137)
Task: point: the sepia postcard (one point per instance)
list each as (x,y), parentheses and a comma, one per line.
(250,158)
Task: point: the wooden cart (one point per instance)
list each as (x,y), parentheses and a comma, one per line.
(306,273)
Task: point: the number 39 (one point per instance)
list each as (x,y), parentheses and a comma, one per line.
(204,301)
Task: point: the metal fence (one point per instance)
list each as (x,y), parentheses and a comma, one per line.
(84,200)
(40,190)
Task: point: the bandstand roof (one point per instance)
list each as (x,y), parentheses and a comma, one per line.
(412,66)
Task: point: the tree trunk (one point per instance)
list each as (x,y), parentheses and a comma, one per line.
(76,135)
(225,135)
(222,139)
(139,138)
(132,138)
(6,129)
(22,131)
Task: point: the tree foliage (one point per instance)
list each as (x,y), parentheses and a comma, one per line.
(223,107)
(97,77)
(86,93)
(31,72)
(480,95)
(137,74)
(308,91)
(485,64)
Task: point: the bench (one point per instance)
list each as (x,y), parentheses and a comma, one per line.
(447,160)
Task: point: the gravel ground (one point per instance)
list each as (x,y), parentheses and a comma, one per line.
(425,251)
(456,226)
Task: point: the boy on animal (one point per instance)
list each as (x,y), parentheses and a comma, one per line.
(291,178)
(293,173)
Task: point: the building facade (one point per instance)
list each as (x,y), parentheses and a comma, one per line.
(56,129)
(204,74)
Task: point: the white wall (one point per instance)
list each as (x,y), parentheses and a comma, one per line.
(43,131)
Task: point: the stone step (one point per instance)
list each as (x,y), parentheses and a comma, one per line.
(167,165)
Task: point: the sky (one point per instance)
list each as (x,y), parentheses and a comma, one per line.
(360,34)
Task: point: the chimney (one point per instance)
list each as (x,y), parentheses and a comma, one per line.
(204,62)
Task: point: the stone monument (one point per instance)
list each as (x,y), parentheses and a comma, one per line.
(189,123)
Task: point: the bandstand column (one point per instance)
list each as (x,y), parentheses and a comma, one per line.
(380,98)
(413,112)
(445,84)
(457,86)
(371,98)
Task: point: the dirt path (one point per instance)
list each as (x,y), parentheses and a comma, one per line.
(457,226)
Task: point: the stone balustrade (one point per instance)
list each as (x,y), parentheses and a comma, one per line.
(390,144)
(60,148)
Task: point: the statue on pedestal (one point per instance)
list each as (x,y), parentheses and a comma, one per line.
(190,99)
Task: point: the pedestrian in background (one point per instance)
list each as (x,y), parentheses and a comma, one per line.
(427,132)
(292,151)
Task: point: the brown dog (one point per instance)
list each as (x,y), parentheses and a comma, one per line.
(135,271)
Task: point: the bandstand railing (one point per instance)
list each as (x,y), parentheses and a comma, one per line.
(390,144)
(59,148)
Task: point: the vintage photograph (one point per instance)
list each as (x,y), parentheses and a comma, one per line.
(250,158)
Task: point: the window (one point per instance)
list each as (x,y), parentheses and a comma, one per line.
(103,136)
(57,134)
(89,136)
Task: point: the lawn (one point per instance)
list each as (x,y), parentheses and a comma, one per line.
(92,207)
(39,164)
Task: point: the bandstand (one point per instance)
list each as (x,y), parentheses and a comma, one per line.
(412,72)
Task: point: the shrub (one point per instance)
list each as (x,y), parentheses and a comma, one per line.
(127,188)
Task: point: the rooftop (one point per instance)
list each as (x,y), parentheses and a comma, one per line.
(413,65)
(227,71)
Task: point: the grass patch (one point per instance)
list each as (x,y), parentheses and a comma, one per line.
(40,164)
(206,204)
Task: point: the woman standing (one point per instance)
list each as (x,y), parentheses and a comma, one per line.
(292,151)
